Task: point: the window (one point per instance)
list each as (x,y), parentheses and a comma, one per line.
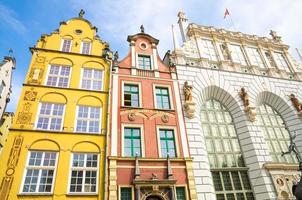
(40,170)
(255,57)
(86,47)
(162,98)
(237,54)
(229,173)
(167,143)
(180,193)
(132,142)
(144,62)
(92,79)
(126,193)
(50,116)
(58,76)
(66,46)
(280,61)
(277,137)
(88,119)
(2,86)
(131,95)
(84,173)
(208,50)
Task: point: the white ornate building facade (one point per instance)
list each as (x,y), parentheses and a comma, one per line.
(241,115)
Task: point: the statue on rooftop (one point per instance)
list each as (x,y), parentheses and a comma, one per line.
(81,13)
(275,37)
(142,29)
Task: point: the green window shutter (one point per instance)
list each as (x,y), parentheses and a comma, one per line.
(167,143)
(132,142)
(131,95)
(162,98)
(126,194)
(180,193)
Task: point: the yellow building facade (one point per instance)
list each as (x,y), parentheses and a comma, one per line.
(56,146)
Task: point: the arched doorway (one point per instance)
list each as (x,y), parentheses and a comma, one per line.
(154,197)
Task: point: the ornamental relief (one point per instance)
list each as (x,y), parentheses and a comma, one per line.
(35,75)
(284,183)
(7,180)
(147,114)
(24,117)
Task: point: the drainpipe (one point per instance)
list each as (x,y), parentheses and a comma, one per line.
(107,129)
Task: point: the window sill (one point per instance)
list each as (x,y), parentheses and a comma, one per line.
(35,194)
(132,107)
(82,194)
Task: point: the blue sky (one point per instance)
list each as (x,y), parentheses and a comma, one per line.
(22,22)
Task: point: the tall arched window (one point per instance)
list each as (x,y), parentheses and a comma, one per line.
(229,172)
(275,133)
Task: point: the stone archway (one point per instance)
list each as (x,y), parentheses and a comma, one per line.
(154,197)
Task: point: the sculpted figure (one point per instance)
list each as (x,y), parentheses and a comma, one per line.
(245,98)
(116,56)
(188,92)
(293,148)
(296,103)
(81,13)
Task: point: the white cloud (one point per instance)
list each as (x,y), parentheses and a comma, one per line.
(119,18)
(8,16)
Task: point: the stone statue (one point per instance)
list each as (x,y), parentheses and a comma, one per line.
(245,98)
(226,52)
(188,92)
(154,176)
(296,102)
(275,36)
(142,29)
(116,55)
(81,13)
(293,148)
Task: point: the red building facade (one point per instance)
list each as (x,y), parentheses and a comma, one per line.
(148,149)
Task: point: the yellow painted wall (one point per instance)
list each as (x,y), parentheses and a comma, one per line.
(46,52)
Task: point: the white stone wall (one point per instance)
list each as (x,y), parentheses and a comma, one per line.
(6,70)
(224,87)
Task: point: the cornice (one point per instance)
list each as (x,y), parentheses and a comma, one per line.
(222,34)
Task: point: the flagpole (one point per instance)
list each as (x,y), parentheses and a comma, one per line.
(227,13)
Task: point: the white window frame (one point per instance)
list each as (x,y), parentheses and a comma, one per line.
(141,127)
(170,95)
(40,168)
(139,84)
(238,57)
(279,63)
(62,44)
(69,77)
(82,74)
(38,114)
(83,168)
(207,54)
(126,186)
(82,46)
(151,61)
(252,57)
(175,140)
(100,120)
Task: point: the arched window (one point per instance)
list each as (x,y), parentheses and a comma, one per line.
(275,133)
(229,172)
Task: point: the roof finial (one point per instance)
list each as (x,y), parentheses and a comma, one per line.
(81,13)
(275,37)
(10,52)
(142,29)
